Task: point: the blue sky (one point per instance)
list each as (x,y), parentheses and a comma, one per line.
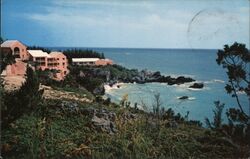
(135,24)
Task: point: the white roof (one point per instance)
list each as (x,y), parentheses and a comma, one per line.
(8,43)
(38,53)
(84,59)
(56,53)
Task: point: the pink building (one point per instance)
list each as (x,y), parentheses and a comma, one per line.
(62,64)
(19,51)
(16,69)
(16,48)
(42,60)
(53,61)
(103,62)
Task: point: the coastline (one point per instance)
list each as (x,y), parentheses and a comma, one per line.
(109,87)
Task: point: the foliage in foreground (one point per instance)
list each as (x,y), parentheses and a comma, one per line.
(50,132)
(236,60)
(16,103)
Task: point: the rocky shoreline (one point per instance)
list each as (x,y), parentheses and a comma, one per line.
(146,76)
(113,76)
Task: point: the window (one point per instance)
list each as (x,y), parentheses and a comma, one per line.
(16,52)
(42,63)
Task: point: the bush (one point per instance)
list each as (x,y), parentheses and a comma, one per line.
(21,101)
(217,123)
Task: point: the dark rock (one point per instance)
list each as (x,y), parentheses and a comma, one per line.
(99,90)
(197,85)
(183,97)
(182,79)
(103,120)
(88,111)
(69,107)
(157,74)
(128,116)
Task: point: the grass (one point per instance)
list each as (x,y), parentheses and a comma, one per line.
(61,135)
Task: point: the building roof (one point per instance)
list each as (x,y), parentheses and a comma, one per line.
(56,53)
(84,59)
(106,59)
(38,53)
(8,43)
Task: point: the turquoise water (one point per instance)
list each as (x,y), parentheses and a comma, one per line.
(199,64)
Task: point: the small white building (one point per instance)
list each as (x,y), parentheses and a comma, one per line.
(84,61)
(91,62)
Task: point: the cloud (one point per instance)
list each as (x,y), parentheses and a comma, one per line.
(139,23)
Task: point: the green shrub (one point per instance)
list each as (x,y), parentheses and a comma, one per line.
(217,122)
(21,101)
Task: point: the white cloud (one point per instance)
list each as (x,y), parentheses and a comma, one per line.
(133,23)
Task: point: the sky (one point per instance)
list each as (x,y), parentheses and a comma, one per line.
(126,24)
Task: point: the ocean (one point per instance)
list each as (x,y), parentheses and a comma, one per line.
(199,64)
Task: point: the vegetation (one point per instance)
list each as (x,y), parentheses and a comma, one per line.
(118,72)
(217,123)
(22,101)
(1,40)
(236,60)
(6,59)
(61,134)
(35,127)
(74,80)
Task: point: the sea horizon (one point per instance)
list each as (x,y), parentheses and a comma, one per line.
(139,48)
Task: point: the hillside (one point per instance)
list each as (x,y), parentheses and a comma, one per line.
(79,127)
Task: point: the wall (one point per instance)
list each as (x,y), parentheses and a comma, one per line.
(22,48)
(103,62)
(16,69)
(62,64)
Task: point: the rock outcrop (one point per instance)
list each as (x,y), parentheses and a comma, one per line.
(147,76)
(104,121)
(197,85)
(183,97)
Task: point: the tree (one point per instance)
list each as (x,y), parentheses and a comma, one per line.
(24,100)
(236,60)
(80,53)
(5,58)
(1,40)
(217,123)
(157,104)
